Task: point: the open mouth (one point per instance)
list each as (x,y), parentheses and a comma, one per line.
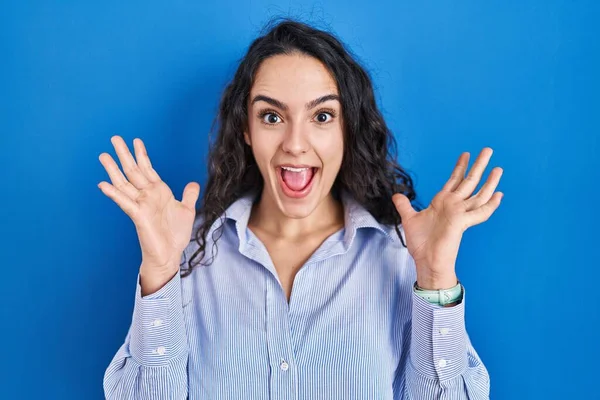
(296,182)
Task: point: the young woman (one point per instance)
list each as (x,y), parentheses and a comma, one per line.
(309,274)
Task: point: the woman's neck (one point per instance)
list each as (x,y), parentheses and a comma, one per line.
(268,218)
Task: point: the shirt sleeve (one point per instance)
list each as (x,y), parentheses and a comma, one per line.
(442,361)
(152,362)
(158,329)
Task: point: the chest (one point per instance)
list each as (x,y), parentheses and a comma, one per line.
(288,259)
(289,256)
(341,328)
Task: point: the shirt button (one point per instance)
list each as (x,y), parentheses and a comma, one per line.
(157,322)
(442,363)
(444,331)
(284,365)
(161,350)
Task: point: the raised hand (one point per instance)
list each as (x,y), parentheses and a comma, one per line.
(163,224)
(433,235)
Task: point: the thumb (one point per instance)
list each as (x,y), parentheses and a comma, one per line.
(403,206)
(190,195)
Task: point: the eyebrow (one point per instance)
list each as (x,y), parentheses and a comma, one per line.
(310,105)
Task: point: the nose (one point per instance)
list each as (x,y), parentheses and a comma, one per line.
(295,141)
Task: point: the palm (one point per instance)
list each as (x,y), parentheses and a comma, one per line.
(433,235)
(172,221)
(163,223)
(426,230)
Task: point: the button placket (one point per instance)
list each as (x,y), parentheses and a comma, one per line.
(283,375)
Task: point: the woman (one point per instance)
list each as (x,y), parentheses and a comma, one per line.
(303,192)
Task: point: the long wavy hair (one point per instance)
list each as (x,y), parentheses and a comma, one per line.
(369,171)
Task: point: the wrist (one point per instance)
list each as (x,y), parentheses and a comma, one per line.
(152,281)
(429,282)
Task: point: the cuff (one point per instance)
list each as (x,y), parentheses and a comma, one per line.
(438,347)
(158,328)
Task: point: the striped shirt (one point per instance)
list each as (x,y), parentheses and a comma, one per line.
(353,328)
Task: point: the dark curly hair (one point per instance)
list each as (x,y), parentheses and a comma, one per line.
(369,171)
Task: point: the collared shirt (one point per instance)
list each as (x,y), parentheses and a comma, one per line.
(353,328)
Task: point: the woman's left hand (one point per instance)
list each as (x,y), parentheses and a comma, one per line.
(433,235)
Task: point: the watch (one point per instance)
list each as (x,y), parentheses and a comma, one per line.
(440,296)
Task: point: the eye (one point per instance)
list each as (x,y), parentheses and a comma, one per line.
(322,114)
(322,117)
(271,118)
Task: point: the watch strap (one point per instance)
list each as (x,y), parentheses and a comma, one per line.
(440,296)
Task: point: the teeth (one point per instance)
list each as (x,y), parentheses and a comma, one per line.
(295,169)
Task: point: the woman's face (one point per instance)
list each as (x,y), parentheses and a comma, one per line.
(295,131)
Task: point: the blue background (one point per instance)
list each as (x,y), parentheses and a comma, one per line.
(519,76)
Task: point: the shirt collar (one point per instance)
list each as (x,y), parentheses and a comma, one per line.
(356,216)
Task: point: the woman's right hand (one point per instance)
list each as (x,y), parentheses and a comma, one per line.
(163,224)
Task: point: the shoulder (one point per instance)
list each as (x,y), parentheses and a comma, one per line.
(196,237)
(196,257)
(394,253)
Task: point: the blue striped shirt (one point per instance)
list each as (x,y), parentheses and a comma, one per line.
(353,328)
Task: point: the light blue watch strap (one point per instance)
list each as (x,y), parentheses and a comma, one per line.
(441,296)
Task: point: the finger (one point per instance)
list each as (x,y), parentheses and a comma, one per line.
(141,155)
(458,174)
(486,191)
(129,206)
(468,185)
(131,169)
(403,206)
(481,214)
(190,195)
(117,178)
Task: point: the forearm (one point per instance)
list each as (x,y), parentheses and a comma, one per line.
(152,362)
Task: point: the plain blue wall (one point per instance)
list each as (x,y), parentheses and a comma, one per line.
(521,77)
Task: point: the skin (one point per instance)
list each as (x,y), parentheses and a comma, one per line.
(295,135)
